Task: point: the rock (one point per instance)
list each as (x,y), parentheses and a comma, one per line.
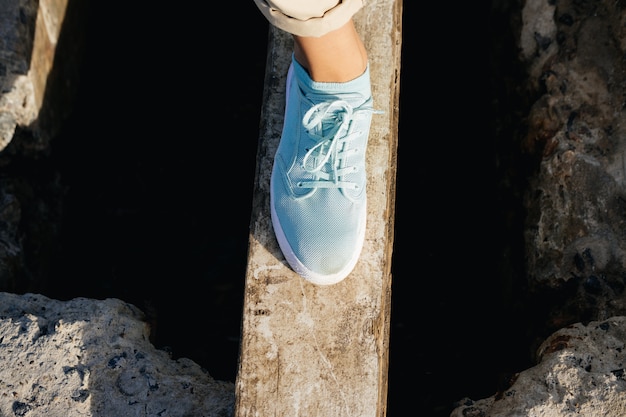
(86,357)
(575,240)
(581,372)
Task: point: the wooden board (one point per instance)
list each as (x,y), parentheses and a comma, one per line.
(41,44)
(310,350)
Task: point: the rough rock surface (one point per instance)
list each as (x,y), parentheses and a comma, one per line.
(581,373)
(573,137)
(86,357)
(575,238)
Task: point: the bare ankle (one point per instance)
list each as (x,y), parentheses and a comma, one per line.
(338,56)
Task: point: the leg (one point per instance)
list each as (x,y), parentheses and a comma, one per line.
(337,56)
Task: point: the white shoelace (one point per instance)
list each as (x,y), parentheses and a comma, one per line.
(334,120)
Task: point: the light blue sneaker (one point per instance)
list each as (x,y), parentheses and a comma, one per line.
(318,183)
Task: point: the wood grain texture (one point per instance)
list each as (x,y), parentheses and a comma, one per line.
(310,350)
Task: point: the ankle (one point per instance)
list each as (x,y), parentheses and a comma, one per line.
(342,70)
(338,56)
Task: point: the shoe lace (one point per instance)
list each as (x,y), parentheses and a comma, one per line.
(330,125)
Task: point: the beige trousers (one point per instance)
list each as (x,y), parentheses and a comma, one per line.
(308,17)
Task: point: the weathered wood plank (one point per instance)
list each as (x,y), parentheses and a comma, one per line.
(308,350)
(40,44)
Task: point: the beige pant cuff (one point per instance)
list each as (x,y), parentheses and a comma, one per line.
(308,17)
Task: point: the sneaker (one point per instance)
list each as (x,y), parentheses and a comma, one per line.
(318,182)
